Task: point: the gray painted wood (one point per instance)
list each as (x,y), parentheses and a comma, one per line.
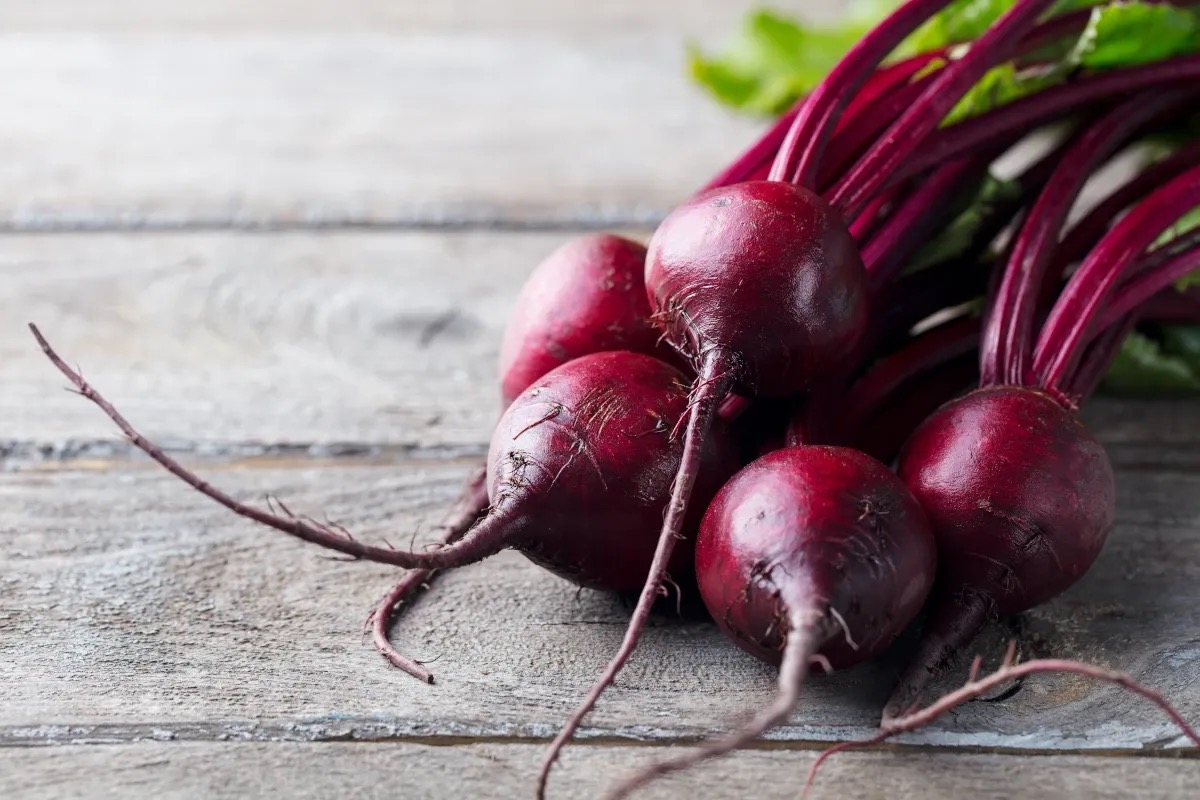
(279,345)
(133,609)
(231,17)
(171,771)
(188,129)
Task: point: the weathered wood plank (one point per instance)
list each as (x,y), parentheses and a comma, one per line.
(280,345)
(381,338)
(223,17)
(133,609)
(172,771)
(542,126)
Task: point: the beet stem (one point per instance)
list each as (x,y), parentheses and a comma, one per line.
(1088,230)
(1069,326)
(471,504)
(855,134)
(815,123)
(999,125)
(807,632)
(919,216)
(1007,672)
(871,393)
(1099,356)
(484,540)
(1007,345)
(711,387)
(1138,291)
(907,133)
(758,154)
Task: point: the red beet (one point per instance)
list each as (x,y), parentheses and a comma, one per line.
(808,553)
(810,530)
(760,285)
(581,465)
(588,296)
(1021,498)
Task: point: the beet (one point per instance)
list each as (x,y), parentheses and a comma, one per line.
(1021,498)
(815,529)
(588,296)
(809,553)
(758,284)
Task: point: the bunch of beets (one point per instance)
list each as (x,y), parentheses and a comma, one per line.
(726,400)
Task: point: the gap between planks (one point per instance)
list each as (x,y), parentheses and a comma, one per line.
(65,735)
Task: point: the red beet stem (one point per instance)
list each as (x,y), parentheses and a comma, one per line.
(929,351)
(485,539)
(1000,125)
(856,133)
(1099,355)
(872,216)
(1173,305)
(1087,292)
(1137,291)
(1088,230)
(711,387)
(919,216)
(907,133)
(1007,347)
(758,154)
(801,152)
(756,160)
(808,631)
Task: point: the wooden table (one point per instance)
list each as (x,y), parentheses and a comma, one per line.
(284,237)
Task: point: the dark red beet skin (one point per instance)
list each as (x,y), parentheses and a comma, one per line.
(1020,495)
(588,296)
(581,464)
(766,272)
(823,527)
(1021,498)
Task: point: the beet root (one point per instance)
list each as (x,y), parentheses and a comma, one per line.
(809,553)
(825,528)
(466,511)
(588,296)
(1008,672)
(1021,498)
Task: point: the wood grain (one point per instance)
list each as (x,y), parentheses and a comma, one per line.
(230,17)
(326,344)
(187,129)
(133,609)
(172,771)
